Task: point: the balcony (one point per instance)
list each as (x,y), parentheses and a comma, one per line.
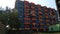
(38,5)
(46,16)
(32,7)
(40,20)
(39,8)
(34,24)
(27,19)
(33,21)
(46,11)
(26,9)
(40,17)
(26,14)
(51,14)
(33,18)
(47,20)
(41,29)
(33,15)
(26,6)
(45,7)
(40,13)
(27,28)
(26,2)
(51,11)
(47,24)
(34,28)
(26,23)
(41,24)
(33,11)
(32,3)
(54,16)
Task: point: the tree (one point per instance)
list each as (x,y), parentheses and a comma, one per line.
(3,18)
(13,20)
(10,19)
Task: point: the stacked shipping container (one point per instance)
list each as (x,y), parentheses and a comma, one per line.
(35,17)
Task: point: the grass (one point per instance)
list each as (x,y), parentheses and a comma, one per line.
(52,32)
(46,33)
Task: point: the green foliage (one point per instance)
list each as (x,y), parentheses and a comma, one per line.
(10,19)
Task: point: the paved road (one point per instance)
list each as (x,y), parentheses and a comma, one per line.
(18,32)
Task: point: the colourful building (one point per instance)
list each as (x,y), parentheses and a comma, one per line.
(35,17)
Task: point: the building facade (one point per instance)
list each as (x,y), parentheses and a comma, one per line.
(35,17)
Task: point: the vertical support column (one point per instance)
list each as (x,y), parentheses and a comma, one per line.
(20,8)
(47,19)
(33,16)
(37,19)
(27,19)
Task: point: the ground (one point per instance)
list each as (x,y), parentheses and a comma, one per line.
(45,33)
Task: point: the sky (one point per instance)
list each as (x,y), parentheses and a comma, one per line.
(11,3)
